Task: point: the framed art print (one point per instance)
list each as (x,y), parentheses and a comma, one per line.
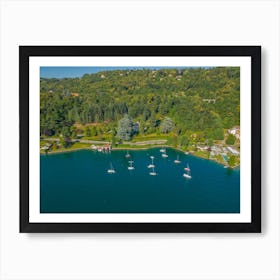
(140,138)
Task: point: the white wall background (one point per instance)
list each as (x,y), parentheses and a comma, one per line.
(138,256)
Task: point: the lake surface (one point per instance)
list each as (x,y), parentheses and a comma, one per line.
(78,182)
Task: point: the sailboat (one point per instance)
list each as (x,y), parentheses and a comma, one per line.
(130,167)
(165,155)
(111,170)
(151,165)
(153,173)
(187,173)
(187,168)
(162,150)
(127,154)
(177,160)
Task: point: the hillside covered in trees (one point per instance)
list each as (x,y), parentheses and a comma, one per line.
(123,103)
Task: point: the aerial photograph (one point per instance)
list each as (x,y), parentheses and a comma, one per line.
(137,139)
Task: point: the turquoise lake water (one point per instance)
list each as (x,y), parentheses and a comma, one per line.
(78,182)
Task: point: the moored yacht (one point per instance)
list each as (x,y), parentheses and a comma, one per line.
(127,154)
(151,165)
(187,176)
(153,173)
(187,168)
(164,155)
(111,170)
(177,160)
(130,167)
(187,173)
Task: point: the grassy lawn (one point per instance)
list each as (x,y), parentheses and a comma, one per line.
(139,138)
(136,138)
(74,146)
(98,138)
(203,154)
(124,146)
(78,145)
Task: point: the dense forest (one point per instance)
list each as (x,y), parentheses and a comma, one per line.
(204,101)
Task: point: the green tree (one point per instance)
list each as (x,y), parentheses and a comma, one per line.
(88,131)
(125,130)
(230,139)
(184,141)
(73,132)
(113,140)
(218,133)
(232,161)
(94,131)
(65,142)
(210,142)
(66,131)
(166,125)
(146,113)
(174,140)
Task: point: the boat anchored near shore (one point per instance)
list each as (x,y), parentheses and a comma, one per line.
(164,155)
(177,160)
(130,167)
(111,170)
(187,173)
(153,173)
(151,165)
(127,155)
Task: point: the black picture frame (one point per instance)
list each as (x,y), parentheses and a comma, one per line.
(25,52)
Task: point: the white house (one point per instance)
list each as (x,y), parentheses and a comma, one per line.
(235,131)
